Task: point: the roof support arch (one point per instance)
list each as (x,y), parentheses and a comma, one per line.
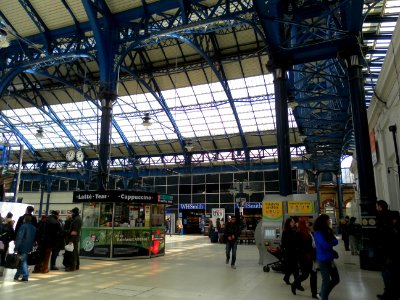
(224,84)
(68,84)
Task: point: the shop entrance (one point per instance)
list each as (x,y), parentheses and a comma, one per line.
(193,221)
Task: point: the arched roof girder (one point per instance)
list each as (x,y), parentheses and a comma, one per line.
(47,61)
(47,110)
(114,123)
(4,119)
(158,95)
(224,84)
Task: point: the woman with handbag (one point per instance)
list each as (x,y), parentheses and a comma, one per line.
(325,240)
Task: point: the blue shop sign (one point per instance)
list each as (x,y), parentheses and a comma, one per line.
(251,205)
(192,206)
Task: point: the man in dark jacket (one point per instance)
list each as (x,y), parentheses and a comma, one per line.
(50,236)
(23,245)
(29,210)
(232,232)
(73,236)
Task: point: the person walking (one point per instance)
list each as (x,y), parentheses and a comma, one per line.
(345,232)
(28,211)
(232,232)
(289,254)
(325,240)
(73,236)
(306,256)
(23,245)
(7,234)
(354,236)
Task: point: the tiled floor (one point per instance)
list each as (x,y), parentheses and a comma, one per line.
(193,268)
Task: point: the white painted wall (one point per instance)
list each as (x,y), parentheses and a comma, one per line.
(381,114)
(60,201)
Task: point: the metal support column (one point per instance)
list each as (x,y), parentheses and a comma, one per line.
(107,100)
(340,194)
(317,186)
(282,132)
(364,162)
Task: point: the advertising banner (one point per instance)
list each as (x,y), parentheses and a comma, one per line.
(300,207)
(217,213)
(272,211)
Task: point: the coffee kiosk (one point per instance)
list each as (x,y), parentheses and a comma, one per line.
(122,224)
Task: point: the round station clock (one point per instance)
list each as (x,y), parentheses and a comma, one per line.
(80,156)
(70,155)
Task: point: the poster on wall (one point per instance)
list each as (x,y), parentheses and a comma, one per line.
(217,213)
(272,211)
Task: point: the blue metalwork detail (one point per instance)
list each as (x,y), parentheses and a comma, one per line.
(94,101)
(224,84)
(44,31)
(158,95)
(18,134)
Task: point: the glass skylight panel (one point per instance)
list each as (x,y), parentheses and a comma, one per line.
(201,89)
(239,93)
(237,83)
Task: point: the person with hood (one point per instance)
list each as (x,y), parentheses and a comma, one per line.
(23,245)
(74,236)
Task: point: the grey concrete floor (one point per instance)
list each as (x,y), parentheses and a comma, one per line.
(192,268)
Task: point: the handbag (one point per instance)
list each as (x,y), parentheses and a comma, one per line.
(34,257)
(2,247)
(335,254)
(69,247)
(13,261)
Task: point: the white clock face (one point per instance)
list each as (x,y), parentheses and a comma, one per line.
(80,156)
(70,156)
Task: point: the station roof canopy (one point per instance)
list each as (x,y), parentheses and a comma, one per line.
(193,77)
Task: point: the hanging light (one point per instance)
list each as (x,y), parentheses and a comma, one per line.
(146,120)
(39,133)
(189,145)
(4,43)
(3,33)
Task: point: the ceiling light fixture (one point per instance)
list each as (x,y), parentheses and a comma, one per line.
(39,133)
(189,145)
(4,43)
(146,120)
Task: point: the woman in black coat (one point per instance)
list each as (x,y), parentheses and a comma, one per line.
(288,245)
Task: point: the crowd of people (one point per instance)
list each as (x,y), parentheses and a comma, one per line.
(46,237)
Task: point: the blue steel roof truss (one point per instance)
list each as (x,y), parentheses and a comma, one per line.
(297,35)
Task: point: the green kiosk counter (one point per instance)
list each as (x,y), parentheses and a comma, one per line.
(122,224)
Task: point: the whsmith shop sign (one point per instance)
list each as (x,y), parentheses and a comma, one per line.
(119,196)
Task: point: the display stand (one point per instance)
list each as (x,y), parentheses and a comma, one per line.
(121,224)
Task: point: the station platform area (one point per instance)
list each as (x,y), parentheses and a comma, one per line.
(193,268)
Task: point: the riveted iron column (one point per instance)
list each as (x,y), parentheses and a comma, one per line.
(282,132)
(364,163)
(107,100)
(340,195)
